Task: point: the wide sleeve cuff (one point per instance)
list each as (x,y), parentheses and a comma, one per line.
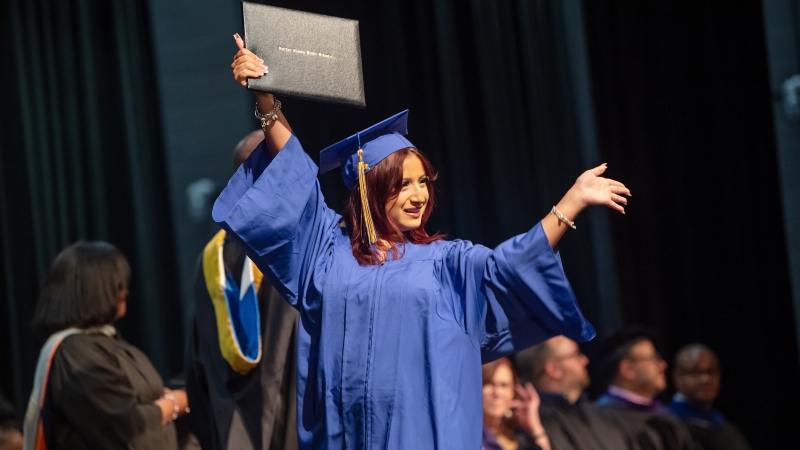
(530,298)
(264,202)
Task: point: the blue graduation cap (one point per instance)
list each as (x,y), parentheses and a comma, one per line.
(362,151)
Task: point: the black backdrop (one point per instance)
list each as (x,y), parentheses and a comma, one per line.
(682,113)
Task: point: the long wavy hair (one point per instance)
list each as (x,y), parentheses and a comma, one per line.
(384,183)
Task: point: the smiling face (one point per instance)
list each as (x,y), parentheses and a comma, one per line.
(498,393)
(409,206)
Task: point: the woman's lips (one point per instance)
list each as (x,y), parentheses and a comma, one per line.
(413,213)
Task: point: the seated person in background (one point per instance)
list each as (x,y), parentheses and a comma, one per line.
(10,429)
(636,373)
(557,369)
(697,378)
(101,392)
(509,423)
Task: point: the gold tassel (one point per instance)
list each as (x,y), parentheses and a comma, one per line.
(362,186)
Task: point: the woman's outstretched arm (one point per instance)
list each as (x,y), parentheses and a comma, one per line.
(589,189)
(247,65)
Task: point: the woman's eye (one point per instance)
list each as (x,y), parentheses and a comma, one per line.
(405,183)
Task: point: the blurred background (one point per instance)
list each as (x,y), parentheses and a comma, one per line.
(118,119)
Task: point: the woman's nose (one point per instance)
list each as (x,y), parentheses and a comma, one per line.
(418,195)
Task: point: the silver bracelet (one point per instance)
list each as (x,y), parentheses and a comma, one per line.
(562,218)
(268,118)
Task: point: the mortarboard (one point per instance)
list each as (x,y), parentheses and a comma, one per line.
(362,151)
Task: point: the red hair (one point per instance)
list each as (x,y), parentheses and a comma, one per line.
(384,183)
(507,424)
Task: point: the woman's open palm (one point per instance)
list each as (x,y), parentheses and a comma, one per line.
(597,190)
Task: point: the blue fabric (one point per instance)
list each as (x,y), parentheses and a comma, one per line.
(389,356)
(688,412)
(244,316)
(609,399)
(377,142)
(489,441)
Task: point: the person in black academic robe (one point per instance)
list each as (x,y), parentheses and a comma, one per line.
(645,427)
(636,373)
(231,410)
(93,390)
(576,426)
(557,368)
(697,377)
(103,392)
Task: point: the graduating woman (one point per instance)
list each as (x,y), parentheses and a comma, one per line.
(394,323)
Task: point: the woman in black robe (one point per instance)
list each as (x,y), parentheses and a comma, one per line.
(101,392)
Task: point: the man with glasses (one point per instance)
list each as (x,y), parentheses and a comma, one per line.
(636,374)
(697,379)
(557,369)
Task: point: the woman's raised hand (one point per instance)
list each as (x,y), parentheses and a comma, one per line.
(593,189)
(589,189)
(526,410)
(246,64)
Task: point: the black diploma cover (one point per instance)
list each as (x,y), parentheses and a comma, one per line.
(309,55)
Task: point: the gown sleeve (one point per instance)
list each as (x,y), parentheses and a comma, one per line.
(275,209)
(514,296)
(97,398)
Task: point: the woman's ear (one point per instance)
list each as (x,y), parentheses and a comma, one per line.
(122,302)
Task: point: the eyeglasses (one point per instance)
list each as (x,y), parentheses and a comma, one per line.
(500,385)
(575,354)
(655,357)
(699,373)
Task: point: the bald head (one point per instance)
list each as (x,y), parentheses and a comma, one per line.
(246,146)
(556,365)
(696,374)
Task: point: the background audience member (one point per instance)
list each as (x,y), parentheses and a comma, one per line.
(101,392)
(557,369)
(502,428)
(696,375)
(10,428)
(252,406)
(636,373)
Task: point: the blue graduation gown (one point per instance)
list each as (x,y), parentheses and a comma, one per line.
(389,356)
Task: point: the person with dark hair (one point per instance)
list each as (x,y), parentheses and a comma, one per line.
(635,371)
(557,369)
(697,375)
(92,389)
(240,366)
(10,428)
(510,423)
(394,322)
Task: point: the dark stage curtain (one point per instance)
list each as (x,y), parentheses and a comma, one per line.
(499,99)
(500,102)
(684,110)
(80,158)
